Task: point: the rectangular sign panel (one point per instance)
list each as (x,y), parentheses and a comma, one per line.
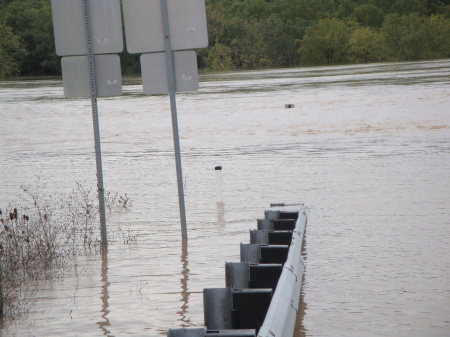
(144,29)
(75,72)
(70,31)
(154,72)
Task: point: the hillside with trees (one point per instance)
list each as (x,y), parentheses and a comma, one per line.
(253,34)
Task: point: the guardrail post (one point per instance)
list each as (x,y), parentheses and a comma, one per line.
(237,274)
(259,236)
(265,224)
(217,303)
(263,290)
(272,215)
(250,252)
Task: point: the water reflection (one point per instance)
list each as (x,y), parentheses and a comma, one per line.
(184,285)
(105,296)
(300,328)
(220,214)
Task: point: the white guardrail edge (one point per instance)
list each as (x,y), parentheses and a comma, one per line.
(281,316)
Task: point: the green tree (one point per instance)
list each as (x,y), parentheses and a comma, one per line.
(366,45)
(414,37)
(444,11)
(250,49)
(280,38)
(256,9)
(410,6)
(32,22)
(346,8)
(385,5)
(368,15)
(294,10)
(263,33)
(12,51)
(215,20)
(219,58)
(130,63)
(263,43)
(392,31)
(434,36)
(325,43)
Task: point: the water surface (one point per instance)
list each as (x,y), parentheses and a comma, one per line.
(366,148)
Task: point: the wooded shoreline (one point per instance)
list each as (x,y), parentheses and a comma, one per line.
(255,34)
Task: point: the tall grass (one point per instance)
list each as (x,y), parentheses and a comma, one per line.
(44,231)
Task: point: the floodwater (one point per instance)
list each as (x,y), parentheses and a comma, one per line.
(366,149)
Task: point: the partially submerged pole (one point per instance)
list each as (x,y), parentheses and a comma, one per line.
(98,151)
(219,184)
(173,106)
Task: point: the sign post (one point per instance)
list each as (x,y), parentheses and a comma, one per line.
(98,151)
(88,34)
(164,36)
(173,107)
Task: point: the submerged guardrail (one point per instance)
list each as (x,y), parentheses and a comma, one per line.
(262,291)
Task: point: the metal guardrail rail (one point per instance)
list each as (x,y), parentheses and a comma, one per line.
(262,291)
(280,318)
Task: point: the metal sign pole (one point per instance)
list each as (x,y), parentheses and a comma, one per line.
(173,106)
(98,152)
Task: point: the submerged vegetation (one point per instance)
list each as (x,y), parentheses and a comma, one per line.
(251,34)
(38,237)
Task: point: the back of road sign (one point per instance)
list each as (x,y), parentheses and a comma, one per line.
(154,73)
(76,82)
(70,31)
(144,27)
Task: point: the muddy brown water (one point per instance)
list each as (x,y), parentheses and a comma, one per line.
(366,148)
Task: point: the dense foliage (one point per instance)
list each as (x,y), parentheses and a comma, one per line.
(250,34)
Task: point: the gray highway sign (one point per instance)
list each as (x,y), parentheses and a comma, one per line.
(154,73)
(70,31)
(144,25)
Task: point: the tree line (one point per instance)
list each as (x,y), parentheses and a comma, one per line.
(253,34)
